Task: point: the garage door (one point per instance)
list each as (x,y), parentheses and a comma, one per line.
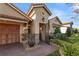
(9,33)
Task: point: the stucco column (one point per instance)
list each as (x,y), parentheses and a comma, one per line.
(36,33)
(21,31)
(47,34)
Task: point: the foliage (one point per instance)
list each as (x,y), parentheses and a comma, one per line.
(58,35)
(73,39)
(70,51)
(25,35)
(55,53)
(57,30)
(25,38)
(70,47)
(75,31)
(61,36)
(68,32)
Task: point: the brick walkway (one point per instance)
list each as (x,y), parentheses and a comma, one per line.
(18,50)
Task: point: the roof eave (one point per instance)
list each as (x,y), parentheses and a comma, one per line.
(44,6)
(56,18)
(19,11)
(12,17)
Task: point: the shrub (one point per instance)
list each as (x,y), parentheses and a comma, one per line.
(68,32)
(56,36)
(25,35)
(74,38)
(57,30)
(55,53)
(69,50)
(69,47)
(75,31)
(60,36)
(64,37)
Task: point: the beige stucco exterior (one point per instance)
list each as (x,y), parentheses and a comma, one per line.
(53,23)
(39,17)
(38,14)
(5,9)
(40,21)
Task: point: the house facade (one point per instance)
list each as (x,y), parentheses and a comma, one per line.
(13,22)
(53,23)
(39,26)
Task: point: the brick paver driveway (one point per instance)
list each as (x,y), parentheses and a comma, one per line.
(17,50)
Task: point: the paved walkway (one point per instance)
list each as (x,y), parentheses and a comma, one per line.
(18,50)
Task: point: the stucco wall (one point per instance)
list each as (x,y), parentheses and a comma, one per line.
(5,9)
(38,19)
(22,27)
(40,15)
(53,21)
(36,22)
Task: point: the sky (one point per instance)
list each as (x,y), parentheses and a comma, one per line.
(63,10)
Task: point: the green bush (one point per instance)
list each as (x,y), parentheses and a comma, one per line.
(60,42)
(68,32)
(56,36)
(57,30)
(69,50)
(55,53)
(55,41)
(60,36)
(73,39)
(75,31)
(69,46)
(25,35)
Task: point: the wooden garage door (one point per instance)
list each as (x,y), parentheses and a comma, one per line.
(9,33)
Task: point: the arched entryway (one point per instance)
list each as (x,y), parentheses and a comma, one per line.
(42,32)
